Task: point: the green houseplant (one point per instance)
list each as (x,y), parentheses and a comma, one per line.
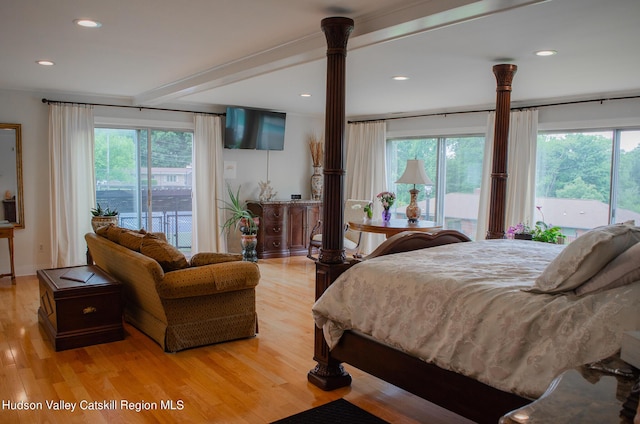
(547,234)
(242,219)
(101,217)
(542,231)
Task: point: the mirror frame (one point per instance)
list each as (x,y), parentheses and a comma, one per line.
(19,196)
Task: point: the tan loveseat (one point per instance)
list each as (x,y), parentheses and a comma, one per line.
(179,308)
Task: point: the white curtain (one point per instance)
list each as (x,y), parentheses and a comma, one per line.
(72,182)
(521,167)
(208,185)
(521,170)
(366,170)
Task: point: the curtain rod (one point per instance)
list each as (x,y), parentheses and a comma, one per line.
(47,101)
(491,110)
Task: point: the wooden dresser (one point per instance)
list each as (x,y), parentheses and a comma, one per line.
(285,226)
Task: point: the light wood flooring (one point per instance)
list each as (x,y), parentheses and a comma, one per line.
(257,380)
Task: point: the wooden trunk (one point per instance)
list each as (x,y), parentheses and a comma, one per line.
(75,313)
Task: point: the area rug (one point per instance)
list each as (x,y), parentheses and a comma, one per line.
(338,411)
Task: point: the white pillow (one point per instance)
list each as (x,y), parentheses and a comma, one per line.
(623,270)
(585,256)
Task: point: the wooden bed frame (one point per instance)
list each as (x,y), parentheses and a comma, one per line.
(455,392)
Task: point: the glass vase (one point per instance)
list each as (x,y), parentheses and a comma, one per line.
(386,215)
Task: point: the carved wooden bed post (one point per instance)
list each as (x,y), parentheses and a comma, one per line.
(329,373)
(504,75)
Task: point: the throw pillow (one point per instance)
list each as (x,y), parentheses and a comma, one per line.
(169,257)
(131,239)
(585,256)
(110,231)
(623,270)
(102,231)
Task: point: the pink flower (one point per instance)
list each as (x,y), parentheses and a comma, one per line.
(386,198)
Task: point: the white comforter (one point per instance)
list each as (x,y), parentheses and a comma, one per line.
(461,307)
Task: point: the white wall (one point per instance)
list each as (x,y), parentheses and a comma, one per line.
(289,170)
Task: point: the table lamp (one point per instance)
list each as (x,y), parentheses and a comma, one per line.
(414,174)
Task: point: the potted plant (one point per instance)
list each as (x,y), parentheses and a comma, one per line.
(101,217)
(243,220)
(520,232)
(547,234)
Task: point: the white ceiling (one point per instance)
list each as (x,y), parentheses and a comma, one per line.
(265,53)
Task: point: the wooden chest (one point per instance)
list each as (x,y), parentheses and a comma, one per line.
(80,306)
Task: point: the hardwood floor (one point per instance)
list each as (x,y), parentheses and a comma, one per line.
(256,380)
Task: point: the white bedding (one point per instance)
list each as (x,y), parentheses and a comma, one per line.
(461,307)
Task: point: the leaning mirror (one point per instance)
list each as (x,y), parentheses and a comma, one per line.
(11,174)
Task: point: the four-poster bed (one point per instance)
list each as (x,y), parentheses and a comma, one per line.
(455,392)
(452,390)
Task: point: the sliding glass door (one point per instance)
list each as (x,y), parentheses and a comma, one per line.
(146,174)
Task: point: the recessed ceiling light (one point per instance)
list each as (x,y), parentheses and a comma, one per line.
(45,62)
(400,78)
(87,23)
(305,95)
(546,52)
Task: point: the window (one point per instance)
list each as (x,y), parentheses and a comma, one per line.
(626,200)
(454,164)
(146,174)
(588,179)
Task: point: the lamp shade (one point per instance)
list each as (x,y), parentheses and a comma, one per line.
(414,173)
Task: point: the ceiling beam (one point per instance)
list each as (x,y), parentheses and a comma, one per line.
(378,27)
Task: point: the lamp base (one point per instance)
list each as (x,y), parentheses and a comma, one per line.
(413,210)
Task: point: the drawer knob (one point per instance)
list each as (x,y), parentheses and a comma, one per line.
(89,310)
(276,229)
(276,244)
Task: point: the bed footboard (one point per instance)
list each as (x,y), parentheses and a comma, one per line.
(455,392)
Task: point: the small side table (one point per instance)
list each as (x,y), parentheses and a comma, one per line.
(393,227)
(7,232)
(580,395)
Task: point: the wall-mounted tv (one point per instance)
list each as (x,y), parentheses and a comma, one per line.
(248,128)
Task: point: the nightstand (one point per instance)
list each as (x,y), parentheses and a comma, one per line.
(582,395)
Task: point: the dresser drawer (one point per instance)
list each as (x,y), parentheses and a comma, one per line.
(85,312)
(275,243)
(274,229)
(274,214)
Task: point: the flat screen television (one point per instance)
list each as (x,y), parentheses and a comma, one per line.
(248,128)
